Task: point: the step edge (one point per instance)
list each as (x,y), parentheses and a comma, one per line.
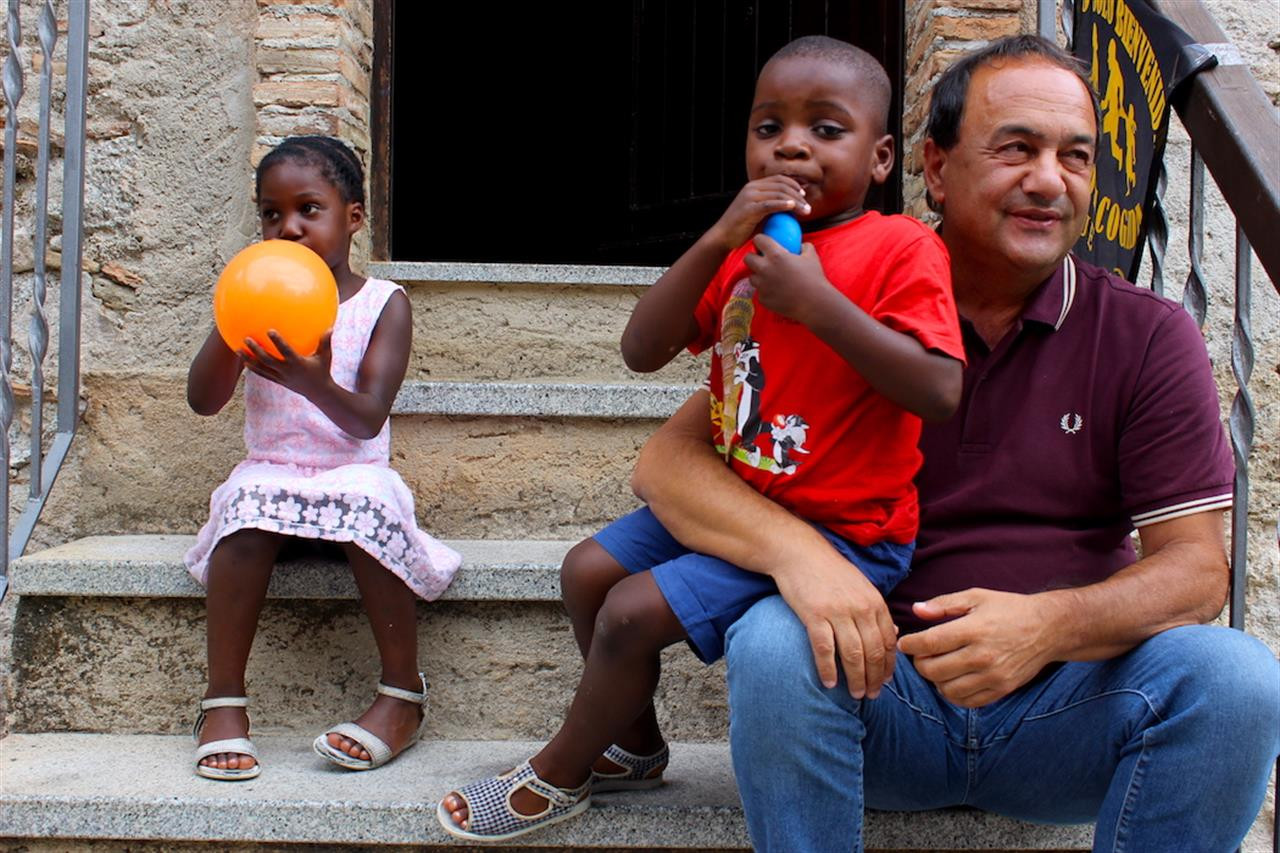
(88,567)
(463,272)
(541,399)
(406,821)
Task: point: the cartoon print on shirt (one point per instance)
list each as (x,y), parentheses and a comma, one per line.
(788,435)
(735,329)
(737,416)
(748,377)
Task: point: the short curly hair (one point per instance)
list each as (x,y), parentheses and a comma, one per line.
(336,161)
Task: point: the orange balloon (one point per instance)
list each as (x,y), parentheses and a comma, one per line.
(275,284)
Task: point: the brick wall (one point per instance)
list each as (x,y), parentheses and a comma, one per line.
(314,67)
(939,31)
(314,64)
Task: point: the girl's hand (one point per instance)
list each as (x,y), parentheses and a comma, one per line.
(756,200)
(791,285)
(305,375)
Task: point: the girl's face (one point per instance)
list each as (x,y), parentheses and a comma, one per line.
(296,202)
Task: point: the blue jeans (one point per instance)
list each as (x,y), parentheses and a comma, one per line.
(1165,748)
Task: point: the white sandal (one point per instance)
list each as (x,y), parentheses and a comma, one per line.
(379,752)
(238,745)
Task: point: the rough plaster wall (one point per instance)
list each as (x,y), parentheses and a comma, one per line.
(171,200)
(1253,26)
(167,199)
(170,126)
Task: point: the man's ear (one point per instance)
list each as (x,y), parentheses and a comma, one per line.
(882,159)
(355,217)
(934,160)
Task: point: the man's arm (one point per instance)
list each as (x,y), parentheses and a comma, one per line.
(709,509)
(998,641)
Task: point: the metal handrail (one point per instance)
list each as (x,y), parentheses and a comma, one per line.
(44,467)
(1234,132)
(1235,128)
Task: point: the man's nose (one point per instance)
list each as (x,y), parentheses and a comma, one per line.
(1044,176)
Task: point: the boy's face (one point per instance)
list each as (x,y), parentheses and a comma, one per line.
(807,122)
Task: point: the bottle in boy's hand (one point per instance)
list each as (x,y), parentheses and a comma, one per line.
(276,284)
(783,228)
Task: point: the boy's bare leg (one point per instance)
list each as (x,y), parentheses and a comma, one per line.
(632,628)
(587,575)
(392,610)
(236,586)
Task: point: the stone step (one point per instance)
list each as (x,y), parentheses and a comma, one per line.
(525,322)
(59,786)
(484,459)
(150,566)
(108,635)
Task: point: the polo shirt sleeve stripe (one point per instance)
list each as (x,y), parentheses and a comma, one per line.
(1168,513)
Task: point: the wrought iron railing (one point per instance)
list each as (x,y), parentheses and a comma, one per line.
(1234,132)
(43,467)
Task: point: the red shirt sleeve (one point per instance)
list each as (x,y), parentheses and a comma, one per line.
(917,299)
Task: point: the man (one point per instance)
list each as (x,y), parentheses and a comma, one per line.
(1044,671)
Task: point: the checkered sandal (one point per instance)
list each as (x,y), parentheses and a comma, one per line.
(490,816)
(638,774)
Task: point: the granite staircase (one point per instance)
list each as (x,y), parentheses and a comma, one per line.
(516,429)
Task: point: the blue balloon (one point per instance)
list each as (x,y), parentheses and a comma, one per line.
(784,228)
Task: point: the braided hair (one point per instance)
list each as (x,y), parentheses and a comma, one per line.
(336,161)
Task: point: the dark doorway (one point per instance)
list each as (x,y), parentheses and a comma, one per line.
(599,132)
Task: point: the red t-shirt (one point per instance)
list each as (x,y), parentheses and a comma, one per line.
(806,430)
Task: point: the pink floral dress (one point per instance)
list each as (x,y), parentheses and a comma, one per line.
(305,477)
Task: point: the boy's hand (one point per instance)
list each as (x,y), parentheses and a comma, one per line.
(755,201)
(304,375)
(791,285)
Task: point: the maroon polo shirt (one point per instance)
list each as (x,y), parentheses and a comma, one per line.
(1095,414)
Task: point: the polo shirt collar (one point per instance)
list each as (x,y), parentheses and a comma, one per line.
(1053,300)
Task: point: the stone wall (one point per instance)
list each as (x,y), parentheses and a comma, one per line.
(938,32)
(185,94)
(314,65)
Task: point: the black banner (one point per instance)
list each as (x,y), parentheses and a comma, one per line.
(1136,59)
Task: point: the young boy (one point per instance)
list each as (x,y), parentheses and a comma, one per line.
(824,364)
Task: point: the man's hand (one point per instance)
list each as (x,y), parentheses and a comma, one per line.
(844,614)
(995,643)
(846,618)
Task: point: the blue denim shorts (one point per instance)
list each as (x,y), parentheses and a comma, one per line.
(708,594)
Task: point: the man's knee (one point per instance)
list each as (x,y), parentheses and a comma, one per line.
(1225,674)
(768,648)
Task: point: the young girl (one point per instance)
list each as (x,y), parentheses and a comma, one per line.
(317,433)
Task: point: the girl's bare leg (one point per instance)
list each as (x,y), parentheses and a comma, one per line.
(392,611)
(239,570)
